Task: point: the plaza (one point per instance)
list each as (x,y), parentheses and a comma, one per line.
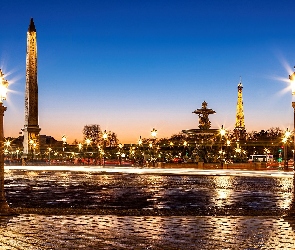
(102,152)
(62,207)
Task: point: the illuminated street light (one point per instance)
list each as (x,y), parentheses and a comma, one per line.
(80,146)
(105,137)
(222,133)
(154,133)
(64,142)
(285,140)
(31,143)
(139,141)
(49,150)
(292,81)
(87,141)
(120,153)
(4,208)
(17,152)
(64,139)
(291,213)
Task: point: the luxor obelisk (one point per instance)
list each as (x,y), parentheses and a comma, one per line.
(31,130)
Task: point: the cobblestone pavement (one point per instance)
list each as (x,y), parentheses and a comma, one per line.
(30,231)
(217,211)
(179,194)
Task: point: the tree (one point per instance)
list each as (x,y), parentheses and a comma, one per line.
(92,132)
(112,139)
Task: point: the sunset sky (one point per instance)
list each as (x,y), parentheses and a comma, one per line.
(131,66)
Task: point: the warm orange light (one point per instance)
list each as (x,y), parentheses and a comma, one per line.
(222,131)
(292,81)
(64,139)
(105,135)
(87,141)
(3,87)
(154,132)
(287,133)
(139,141)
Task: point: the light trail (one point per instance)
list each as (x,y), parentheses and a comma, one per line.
(138,170)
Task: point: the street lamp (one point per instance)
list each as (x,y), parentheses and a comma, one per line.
(4,208)
(17,152)
(64,142)
(139,141)
(31,142)
(49,150)
(222,133)
(120,153)
(285,141)
(291,212)
(141,151)
(87,141)
(292,80)
(154,135)
(105,137)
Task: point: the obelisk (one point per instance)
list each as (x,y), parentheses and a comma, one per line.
(31,128)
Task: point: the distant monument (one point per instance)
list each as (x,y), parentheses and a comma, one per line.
(239,130)
(203,114)
(204,122)
(31,128)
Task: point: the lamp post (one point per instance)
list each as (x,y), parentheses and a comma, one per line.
(285,141)
(105,137)
(222,133)
(291,212)
(140,153)
(87,141)
(120,153)
(64,142)
(31,142)
(49,150)
(292,80)
(227,150)
(4,208)
(154,135)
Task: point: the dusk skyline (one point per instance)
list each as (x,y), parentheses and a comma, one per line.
(133,66)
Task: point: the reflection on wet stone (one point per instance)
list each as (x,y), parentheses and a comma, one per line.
(160,211)
(146,232)
(195,195)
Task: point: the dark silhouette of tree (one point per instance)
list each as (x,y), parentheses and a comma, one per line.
(92,132)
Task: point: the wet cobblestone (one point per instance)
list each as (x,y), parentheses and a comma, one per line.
(80,210)
(29,231)
(194,195)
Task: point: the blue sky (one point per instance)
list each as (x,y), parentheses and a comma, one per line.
(134,65)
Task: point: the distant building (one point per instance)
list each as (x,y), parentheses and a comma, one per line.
(239,130)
